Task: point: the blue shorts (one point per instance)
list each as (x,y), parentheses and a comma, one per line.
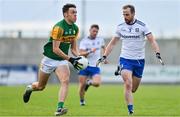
(136,66)
(90,71)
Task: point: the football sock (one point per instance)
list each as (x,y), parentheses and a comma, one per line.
(130,107)
(60,104)
(29,88)
(81,100)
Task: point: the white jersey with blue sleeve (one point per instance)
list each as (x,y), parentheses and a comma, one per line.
(87,44)
(133,39)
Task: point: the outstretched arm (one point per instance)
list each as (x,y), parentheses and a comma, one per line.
(110,46)
(108,50)
(155,47)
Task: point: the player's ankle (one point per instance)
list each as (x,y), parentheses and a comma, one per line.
(29,88)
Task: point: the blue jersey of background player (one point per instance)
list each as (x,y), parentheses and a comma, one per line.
(132,33)
(90,47)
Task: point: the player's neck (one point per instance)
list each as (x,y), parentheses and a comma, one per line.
(132,22)
(92,38)
(68,22)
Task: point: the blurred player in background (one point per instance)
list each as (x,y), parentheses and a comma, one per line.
(132,33)
(63,35)
(90,47)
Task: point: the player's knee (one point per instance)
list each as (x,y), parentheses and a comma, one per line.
(128,85)
(65,81)
(66,75)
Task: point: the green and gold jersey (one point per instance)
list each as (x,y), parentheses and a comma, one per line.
(63,32)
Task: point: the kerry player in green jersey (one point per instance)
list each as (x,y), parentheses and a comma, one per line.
(63,36)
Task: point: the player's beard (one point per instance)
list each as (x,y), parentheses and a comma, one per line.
(73,19)
(92,36)
(128,21)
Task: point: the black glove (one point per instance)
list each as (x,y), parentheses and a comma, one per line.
(102,59)
(74,62)
(118,71)
(158,56)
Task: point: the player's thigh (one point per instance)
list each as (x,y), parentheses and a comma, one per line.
(63,73)
(45,69)
(42,78)
(82,79)
(126,75)
(96,78)
(136,83)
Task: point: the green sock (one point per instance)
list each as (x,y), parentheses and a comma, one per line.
(60,104)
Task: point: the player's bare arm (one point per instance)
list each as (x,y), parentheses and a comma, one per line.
(74,48)
(110,46)
(108,50)
(155,47)
(103,51)
(83,52)
(153,43)
(86,53)
(58,51)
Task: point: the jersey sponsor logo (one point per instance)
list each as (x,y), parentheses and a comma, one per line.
(67,38)
(130,36)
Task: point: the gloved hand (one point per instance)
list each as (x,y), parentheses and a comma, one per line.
(75,63)
(158,56)
(118,71)
(102,59)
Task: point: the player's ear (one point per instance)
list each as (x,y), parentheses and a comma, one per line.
(133,14)
(65,14)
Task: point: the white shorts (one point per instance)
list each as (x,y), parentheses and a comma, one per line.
(49,65)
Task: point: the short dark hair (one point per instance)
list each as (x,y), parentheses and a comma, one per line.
(67,6)
(132,8)
(94,26)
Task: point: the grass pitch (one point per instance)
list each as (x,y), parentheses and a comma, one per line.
(107,100)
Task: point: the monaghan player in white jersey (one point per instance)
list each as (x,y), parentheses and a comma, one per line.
(90,47)
(132,33)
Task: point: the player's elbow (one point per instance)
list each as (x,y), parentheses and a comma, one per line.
(55,50)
